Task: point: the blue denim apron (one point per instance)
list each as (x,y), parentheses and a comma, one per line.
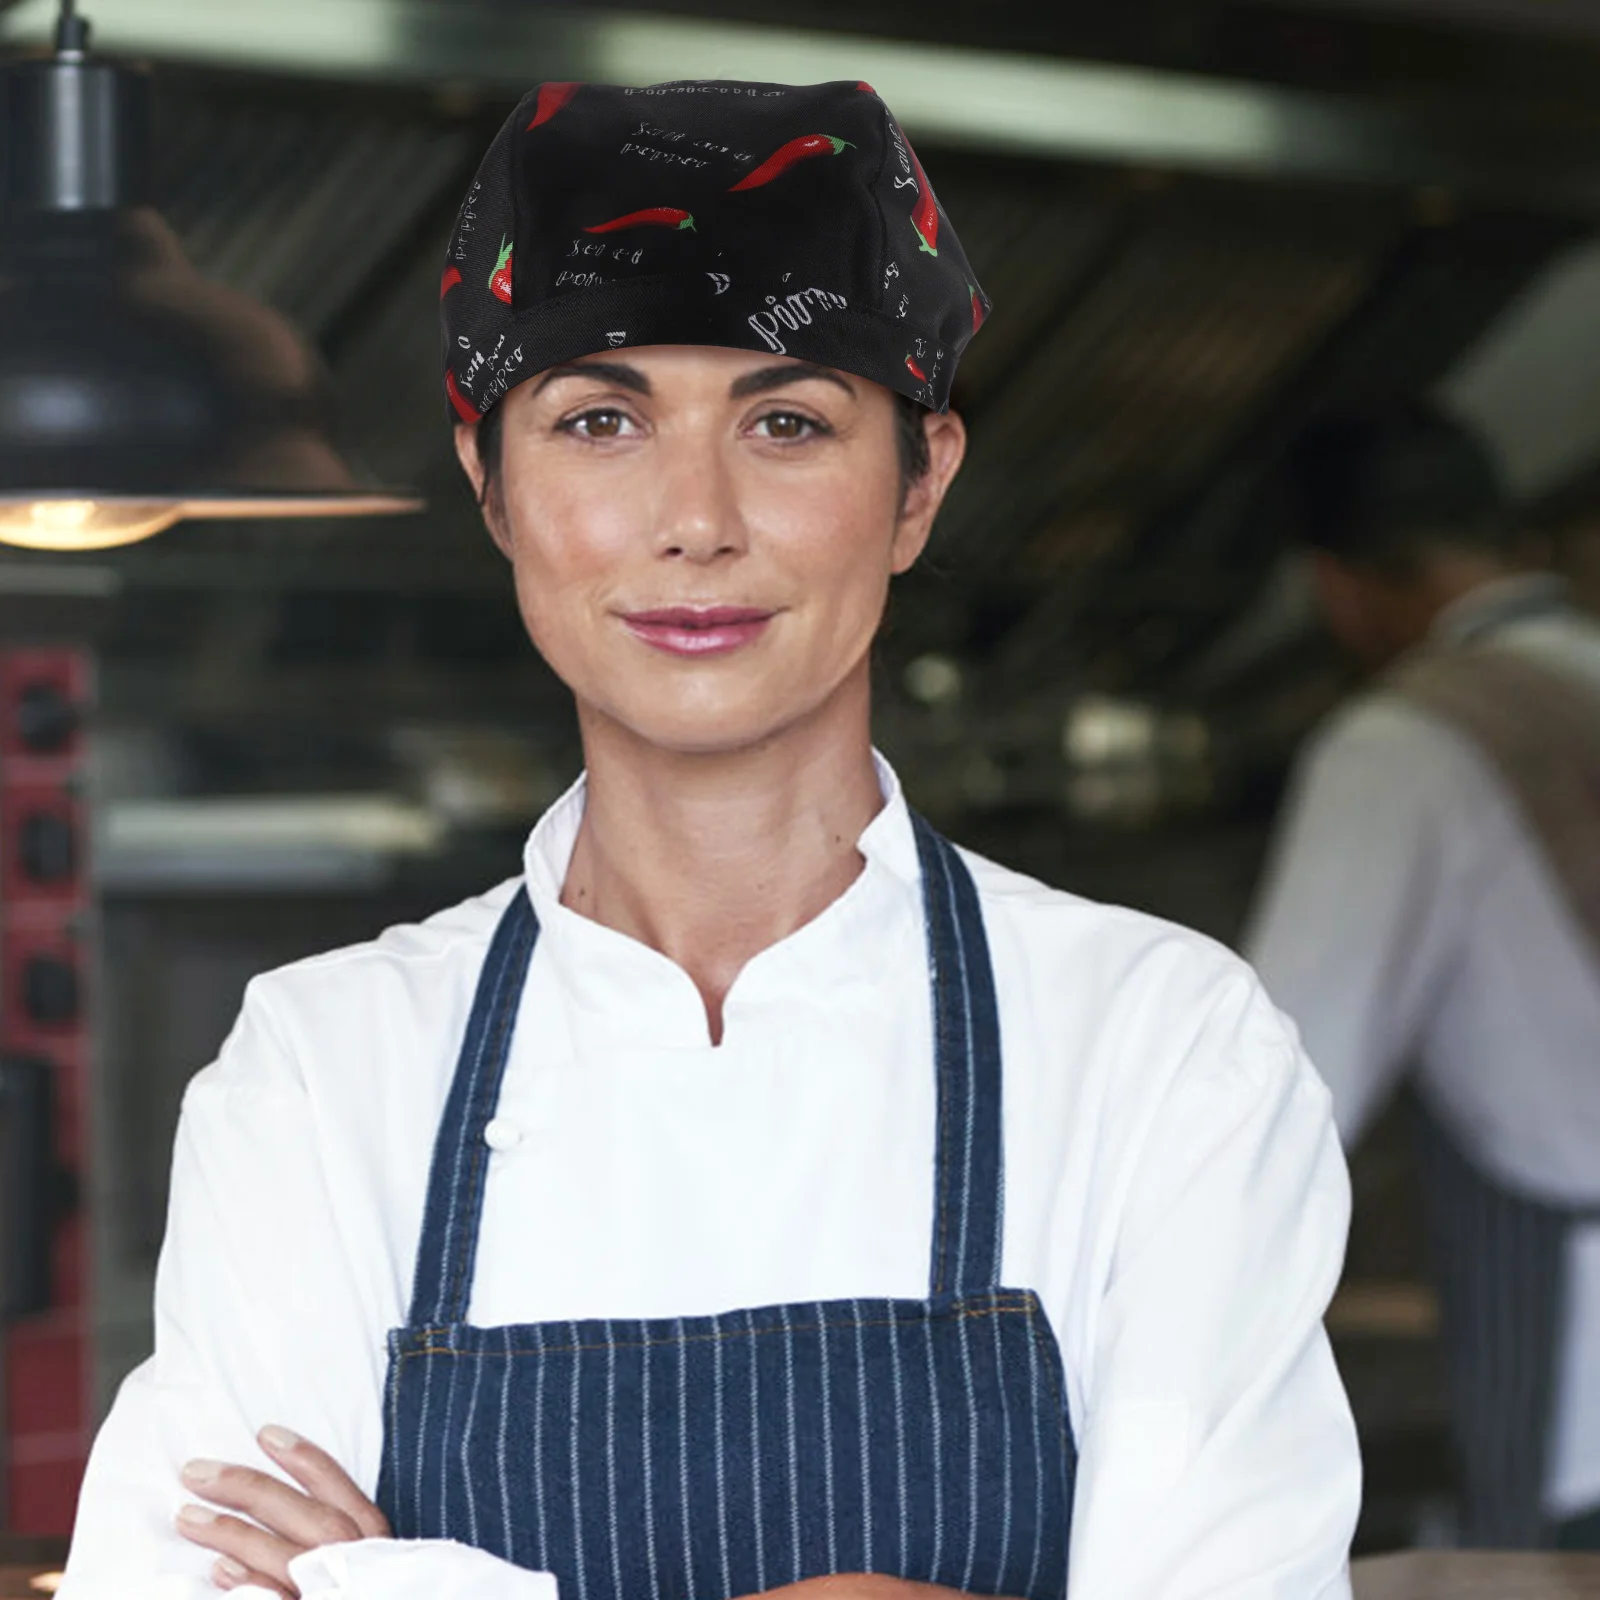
(700,1458)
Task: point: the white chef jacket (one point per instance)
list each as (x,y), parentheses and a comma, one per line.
(1409,918)
(1174,1192)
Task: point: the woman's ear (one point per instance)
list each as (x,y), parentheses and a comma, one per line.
(946,434)
(488,501)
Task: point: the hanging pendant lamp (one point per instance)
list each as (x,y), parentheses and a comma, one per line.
(133,392)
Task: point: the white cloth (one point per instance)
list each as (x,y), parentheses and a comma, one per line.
(1175,1193)
(1409,918)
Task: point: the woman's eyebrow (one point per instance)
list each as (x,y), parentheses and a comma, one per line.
(765,378)
(617,372)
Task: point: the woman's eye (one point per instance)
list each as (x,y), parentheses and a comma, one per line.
(602,423)
(789,425)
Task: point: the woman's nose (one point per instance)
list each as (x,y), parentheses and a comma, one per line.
(700,518)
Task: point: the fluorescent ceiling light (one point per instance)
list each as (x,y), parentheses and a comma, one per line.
(990,99)
(343,36)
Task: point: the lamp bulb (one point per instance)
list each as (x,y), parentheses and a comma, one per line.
(83,524)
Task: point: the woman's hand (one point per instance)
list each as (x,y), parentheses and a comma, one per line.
(278,1522)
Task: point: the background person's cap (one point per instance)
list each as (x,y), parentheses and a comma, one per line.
(761,216)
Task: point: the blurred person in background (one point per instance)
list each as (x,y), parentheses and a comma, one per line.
(1432,907)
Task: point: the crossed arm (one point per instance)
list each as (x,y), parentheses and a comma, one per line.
(256,1524)
(1216,1452)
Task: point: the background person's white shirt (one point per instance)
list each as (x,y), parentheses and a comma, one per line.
(1409,918)
(1174,1191)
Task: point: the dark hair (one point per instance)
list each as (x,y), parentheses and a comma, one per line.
(911,441)
(1384,489)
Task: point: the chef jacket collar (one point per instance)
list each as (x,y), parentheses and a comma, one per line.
(634,994)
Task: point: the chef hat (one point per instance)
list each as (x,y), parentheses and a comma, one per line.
(792,220)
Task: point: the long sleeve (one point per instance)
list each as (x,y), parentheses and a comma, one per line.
(1218,1455)
(1363,895)
(263,1314)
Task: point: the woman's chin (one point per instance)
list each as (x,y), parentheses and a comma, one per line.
(710,730)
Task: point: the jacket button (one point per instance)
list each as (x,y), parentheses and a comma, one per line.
(501,1134)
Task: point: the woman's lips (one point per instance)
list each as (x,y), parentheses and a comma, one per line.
(698,630)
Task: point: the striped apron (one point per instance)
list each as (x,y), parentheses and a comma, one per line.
(700,1458)
(1500,1262)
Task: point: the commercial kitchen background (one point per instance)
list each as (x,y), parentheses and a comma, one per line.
(1200,223)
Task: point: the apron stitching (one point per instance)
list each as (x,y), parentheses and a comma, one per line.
(827,1439)
(970,1095)
(505,1481)
(611,1466)
(755,1457)
(959,1314)
(866,1454)
(575,1465)
(466,1471)
(422,1454)
(444,1477)
(721,1466)
(396,1366)
(899,1437)
(1038,1471)
(683,1453)
(794,1454)
(972,1458)
(647,1457)
(1005,1458)
(455,1293)
(932,872)
(938,1457)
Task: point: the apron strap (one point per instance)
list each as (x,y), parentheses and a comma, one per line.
(969,1179)
(449,1245)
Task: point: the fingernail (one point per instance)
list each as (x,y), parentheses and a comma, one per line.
(196,1517)
(228,1570)
(276,1438)
(202,1471)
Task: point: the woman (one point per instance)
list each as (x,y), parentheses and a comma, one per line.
(730,1264)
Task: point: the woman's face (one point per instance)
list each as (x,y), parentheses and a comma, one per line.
(702,538)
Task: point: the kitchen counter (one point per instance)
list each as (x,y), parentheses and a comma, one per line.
(1476,1575)
(1416,1575)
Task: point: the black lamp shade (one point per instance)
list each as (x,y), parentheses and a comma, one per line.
(132,390)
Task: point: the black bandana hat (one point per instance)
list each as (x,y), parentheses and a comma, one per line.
(762,216)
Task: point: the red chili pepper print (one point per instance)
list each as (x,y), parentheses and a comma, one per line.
(925,216)
(552,96)
(808,144)
(978,313)
(464,407)
(916,371)
(500,278)
(452,276)
(651,217)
